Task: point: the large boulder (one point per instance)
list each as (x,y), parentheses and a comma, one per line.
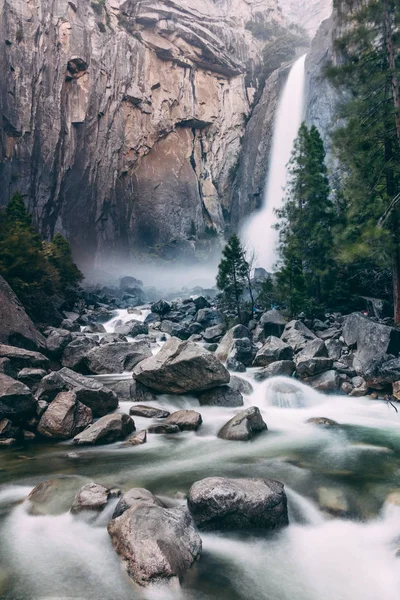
(273,350)
(161,307)
(242,351)
(65,417)
(273,323)
(296,334)
(178,330)
(213,334)
(243,426)
(313,359)
(134,497)
(74,355)
(132,328)
(57,341)
(156,544)
(281,368)
(219,504)
(90,392)
(31,377)
(241,385)
(373,343)
(16,399)
(181,367)
(235,333)
(107,430)
(223,395)
(209,317)
(16,328)
(186,420)
(148,412)
(328,382)
(21,359)
(117,358)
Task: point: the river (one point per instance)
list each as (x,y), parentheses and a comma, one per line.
(347,555)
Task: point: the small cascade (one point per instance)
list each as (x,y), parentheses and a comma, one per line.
(259,233)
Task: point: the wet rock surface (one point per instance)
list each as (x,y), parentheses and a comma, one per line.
(108,429)
(244,426)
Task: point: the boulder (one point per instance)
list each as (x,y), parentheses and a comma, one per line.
(132,328)
(112,338)
(92,497)
(156,544)
(16,400)
(223,395)
(186,420)
(209,317)
(117,358)
(243,351)
(94,328)
(137,439)
(219,504)
(65,417)
(148,412)
(325,382)
(178,330)
(273,350)
(6,368)
(360,387)
(90,392)
(237,332)
(21,359)
(273,323)
(213,334)
(74,355)
(129,390)
(235,366)
(313,366)
(382,373)
(53,496)
(322,422)
(313,349)
(57,341)
(161,307)
(373,342)
(242,385)
(161,428)
(334,348)
(181,367)
(281,368)
(296,334)
(31,377)
(134,497)
(107,430)
(16,328)
(243,426)
(8,429)
(70,325)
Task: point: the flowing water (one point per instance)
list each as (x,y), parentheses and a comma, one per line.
(340,545)
(259,233)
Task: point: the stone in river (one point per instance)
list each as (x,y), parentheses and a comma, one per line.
(108,429)
(244,426)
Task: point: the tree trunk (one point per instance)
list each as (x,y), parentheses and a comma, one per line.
(392,65)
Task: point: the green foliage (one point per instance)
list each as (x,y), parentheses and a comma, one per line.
(36,271)
(233,278)
(98,6)
(305,226)
(367,144)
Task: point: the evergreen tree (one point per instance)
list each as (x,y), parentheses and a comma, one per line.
(59,255)
(368,143)
(233,276)
(305,225)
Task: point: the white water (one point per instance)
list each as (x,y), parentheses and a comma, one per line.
(258,233)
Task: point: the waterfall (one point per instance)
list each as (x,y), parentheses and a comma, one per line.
(258,233)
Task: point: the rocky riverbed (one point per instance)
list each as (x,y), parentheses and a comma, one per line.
(154,446)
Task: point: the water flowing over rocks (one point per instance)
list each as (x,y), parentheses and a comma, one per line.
(244,426)
(217,503)
(156,544)
(181,367)
(108,429)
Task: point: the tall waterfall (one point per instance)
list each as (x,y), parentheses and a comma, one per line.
(258,232)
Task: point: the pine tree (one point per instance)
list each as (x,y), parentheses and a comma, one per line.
(368,143)
(233,276)
(60,256)
(305,225)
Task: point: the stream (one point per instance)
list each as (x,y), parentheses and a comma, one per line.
(340,545)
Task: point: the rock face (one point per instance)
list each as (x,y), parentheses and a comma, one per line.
(217,503)
(181,367)
(65,417)
(16,328)
(140,131)
(106,430)
(244,426)
(156,544)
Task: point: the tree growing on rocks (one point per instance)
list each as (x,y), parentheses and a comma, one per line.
(234,278)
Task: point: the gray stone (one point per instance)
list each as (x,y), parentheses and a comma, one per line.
(107,430)
(313,366)
(325,382)
(161,307)
(31,377)
(234,365)
(132,328)
(237,332)
(213,334)
(243,426)
(65,417)
(8,429)
(90,392)
(57,341)
(218,503)
(273,350)
(70,325)
(155,543)
(148,412)
(21,359)
(242,385)
(273,323)
(334,348)
(323,422)
(137,439)
(16,400)
(181,367)
(74,355)
(178,330)
(186,420)
(133,498)
(243,350)
(209,317)
(281,368)
(296,334)
(224,395)
(117,358)
(91,497)
(161,428)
